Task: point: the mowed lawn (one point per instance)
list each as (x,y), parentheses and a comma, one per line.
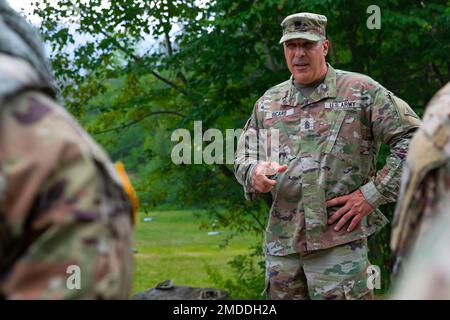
(172,246)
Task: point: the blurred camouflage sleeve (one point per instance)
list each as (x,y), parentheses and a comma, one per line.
(60,208)
(420,235)
(393,123)
(248,154)
(426,272)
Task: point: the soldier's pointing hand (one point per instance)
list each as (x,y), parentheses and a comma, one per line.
(260,179)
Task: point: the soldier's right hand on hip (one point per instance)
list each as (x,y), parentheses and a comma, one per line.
(261,175)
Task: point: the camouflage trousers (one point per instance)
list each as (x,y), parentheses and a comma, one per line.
(335,273)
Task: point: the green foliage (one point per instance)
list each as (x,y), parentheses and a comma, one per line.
(145,68)
(248,278)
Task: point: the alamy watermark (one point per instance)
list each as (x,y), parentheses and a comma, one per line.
(373,277)
(73,281)
(212,147)
(374,20)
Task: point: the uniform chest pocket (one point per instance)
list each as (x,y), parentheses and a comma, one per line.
(288,131)
(349,139)
(334,132)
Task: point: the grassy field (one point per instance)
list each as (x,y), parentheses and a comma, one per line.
(172,246)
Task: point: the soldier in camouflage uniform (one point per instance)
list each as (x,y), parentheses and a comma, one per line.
(312,141)
(422,218)
(63,211)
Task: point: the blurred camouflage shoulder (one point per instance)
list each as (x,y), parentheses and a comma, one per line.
(436,121)
(62,207)
(425,181)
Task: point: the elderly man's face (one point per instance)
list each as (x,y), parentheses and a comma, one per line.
(306,59)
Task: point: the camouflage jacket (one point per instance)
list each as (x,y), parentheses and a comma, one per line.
(65,226)
(330,142)
(422,219)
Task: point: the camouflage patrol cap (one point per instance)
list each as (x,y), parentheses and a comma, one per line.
(304,25)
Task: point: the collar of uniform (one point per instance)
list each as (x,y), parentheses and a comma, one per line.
(327,89)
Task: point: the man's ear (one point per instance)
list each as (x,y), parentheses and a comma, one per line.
(325,47)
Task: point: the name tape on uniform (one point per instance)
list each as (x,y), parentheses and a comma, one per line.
(275,114)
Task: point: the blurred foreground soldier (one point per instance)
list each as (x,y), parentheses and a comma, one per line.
(65,221)
(329,124)
(421,234)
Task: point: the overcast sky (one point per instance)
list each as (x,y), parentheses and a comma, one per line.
(25,7)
